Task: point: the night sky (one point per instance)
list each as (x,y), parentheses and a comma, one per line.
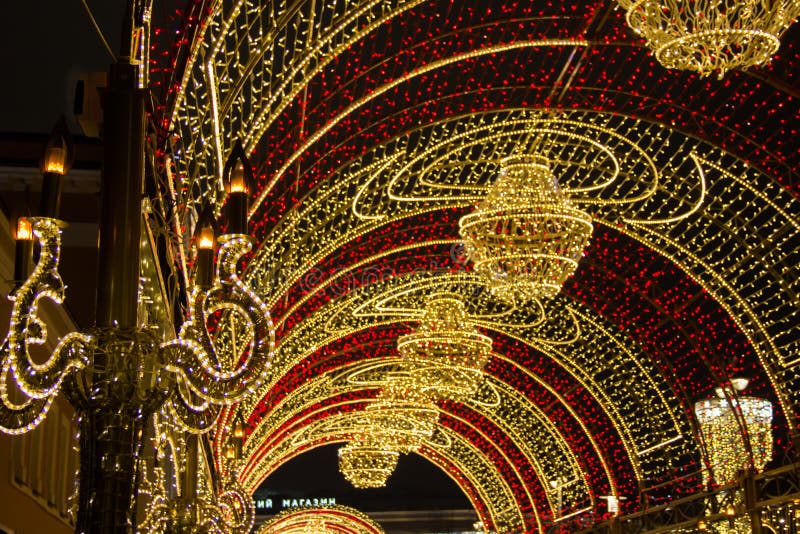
(416,484)
(44,45)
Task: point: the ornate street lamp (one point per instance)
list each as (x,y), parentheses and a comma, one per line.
(724,422)
(118,373)
(737,434)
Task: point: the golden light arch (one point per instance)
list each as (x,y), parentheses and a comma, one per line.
(339,519)
(729,226)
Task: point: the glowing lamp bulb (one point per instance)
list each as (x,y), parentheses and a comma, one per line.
(702,525)
(206,240)
(55,158)
(238,431)
(24,229)
(237,180)
(730,511)
(230,452)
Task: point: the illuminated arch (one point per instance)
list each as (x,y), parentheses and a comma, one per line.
(320,521)
(368,156)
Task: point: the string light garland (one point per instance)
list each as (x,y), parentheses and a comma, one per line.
(208,505)
(711,36)
(525,237)
(524,432)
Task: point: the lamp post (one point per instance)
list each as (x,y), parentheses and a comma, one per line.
(118,373)
(737,434)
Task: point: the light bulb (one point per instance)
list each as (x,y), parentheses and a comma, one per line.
(55,158)
(237,179)
(206,240)
(24,229)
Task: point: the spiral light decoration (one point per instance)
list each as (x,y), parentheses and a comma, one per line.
(218,376)
(708,36)
(446,352)
(525,238)
(38,383)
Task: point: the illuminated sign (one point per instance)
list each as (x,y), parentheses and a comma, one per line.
(269,504)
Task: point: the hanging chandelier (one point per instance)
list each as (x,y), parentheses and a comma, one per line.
(708,36)
(398,422)
(446,353)
(367,466)
(401,418)
(723,433)
(525,238)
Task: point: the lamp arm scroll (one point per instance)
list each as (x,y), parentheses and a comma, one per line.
(39,382)
(213,375)
(19,418)
(193,417)
(239,510)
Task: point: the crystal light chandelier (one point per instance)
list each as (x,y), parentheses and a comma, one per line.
(397,422)
(526,237)
(723,433)
(367,466)
(708,36)
(446,353)
(401,418)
